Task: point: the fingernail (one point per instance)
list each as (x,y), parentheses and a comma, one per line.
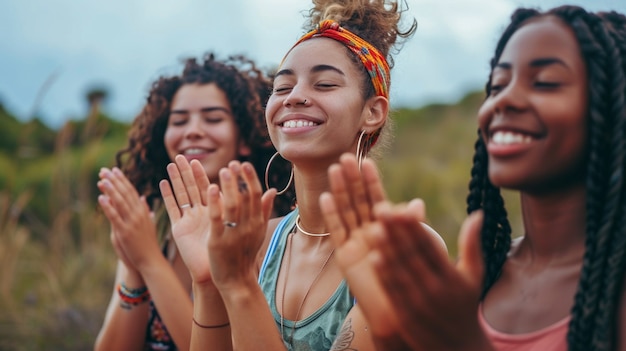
(235,167)
(247,168)
(225,173)
(105,173)
(102,199)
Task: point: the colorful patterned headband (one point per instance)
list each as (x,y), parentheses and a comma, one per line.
(374,62)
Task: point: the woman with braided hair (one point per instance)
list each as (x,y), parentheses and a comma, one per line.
(211,112)
(277,284)
(553,128)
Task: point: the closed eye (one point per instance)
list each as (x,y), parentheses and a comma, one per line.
(281,90)
(547,85)
(326,85)
(495,89)
(177,119)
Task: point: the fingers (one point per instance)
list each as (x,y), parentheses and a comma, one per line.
(201,178)
(171,206)
(373,183)
(358,197)
(332,219)
(121,194)
(215,211)
(355,191)
(418,207)
(413,237)
(241,199)
(229,184)
(247,204)
(267,203)
(470,263)
(110,211)
(187,186)
(252,193)
(341,196)
(189,181)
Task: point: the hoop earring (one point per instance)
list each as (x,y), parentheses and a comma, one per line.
(360,150)
(267,171)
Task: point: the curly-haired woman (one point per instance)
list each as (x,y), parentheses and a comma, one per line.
(212,112)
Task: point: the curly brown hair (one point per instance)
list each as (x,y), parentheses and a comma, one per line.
(247,88)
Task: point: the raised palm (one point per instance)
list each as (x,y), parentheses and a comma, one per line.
(185,198)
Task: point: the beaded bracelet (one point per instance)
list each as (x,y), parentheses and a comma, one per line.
(132,297)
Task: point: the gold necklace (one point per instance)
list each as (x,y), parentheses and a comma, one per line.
(282,302)
(308,233)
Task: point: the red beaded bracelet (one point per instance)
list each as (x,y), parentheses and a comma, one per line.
(132,297)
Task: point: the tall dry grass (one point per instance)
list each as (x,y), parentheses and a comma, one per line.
(57,264)
(56,274)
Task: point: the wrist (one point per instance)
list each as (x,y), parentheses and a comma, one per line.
(241,294)
(152,266)
(132,278)
(131,297)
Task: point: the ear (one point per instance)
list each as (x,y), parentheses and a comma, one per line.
(375,113)
(244,149)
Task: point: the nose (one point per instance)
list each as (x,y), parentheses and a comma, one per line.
(512,98)
(194,128)
(296,97)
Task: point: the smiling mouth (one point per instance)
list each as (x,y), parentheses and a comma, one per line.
(508,138)
(195,151)
(299,123)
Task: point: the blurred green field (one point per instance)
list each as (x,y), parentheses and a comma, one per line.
(56,261)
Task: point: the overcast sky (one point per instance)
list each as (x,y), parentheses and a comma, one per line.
(69,46)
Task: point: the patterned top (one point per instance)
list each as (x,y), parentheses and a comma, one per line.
(318,331)
(157,336)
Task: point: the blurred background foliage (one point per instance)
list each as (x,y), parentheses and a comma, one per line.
(56,261)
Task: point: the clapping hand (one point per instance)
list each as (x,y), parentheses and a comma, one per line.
(133,232)
(186,201)
(239,215)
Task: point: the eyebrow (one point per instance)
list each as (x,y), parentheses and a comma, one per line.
(540,62)
(204,109)
(315,69)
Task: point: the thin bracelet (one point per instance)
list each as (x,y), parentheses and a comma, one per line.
(210,326)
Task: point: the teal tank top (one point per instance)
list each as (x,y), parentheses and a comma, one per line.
(318,331)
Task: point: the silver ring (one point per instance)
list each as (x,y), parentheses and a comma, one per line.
(184,206)
(230,224)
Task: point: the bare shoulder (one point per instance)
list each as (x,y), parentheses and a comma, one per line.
(436,236)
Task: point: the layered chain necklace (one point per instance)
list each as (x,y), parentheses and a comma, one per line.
(287,265)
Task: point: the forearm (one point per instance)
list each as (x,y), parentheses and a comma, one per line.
(212,325)
(252,324)
(171,299)
(124,326)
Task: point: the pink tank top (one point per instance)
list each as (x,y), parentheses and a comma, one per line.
(553,337)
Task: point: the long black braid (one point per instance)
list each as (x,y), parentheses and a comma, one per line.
(602,39)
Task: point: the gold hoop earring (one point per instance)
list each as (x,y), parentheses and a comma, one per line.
(267,171)
(360,150)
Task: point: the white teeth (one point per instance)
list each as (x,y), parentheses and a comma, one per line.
(298,123)
(193,151)
(507,138)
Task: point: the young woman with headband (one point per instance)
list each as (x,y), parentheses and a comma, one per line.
(277,284)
